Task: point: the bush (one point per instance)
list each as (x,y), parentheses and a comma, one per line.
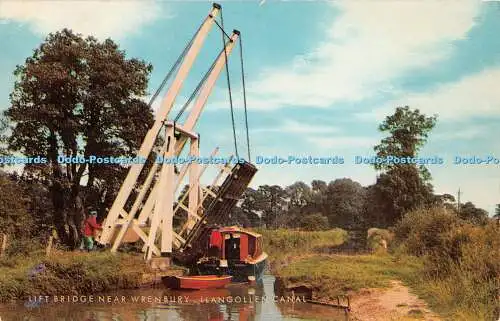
(377,237)
(422,231)
(314,222)
(462,269)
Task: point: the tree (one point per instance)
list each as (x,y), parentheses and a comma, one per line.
(403,187)
(318,185)
(3,139)
(14,216)
(345,199)
(497,211)
(251,207)
(408,131)
(78,97)
(314,222)
(299,194)
(271,202)
(473,214)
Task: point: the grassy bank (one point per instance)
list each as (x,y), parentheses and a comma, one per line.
(458,276)
(68,273)
(333,275)
(284,245)
(461,276)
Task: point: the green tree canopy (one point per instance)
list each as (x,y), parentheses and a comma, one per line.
(346,200)
(314,222)
(497,211)
(3,138)
(14,216)
(473,214)
(403,187)
(77,96)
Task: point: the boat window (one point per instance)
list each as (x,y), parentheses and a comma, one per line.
(232,249)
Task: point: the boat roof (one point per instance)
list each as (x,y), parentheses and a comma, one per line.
(228,229)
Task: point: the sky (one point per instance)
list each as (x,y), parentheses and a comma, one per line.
(320,76)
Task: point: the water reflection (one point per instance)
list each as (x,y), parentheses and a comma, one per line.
(237,302)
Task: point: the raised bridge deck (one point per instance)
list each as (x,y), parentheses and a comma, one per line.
(217,212)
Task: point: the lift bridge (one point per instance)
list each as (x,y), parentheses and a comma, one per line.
(146,204)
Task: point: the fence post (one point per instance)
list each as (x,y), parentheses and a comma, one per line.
(4,244)
(49,245)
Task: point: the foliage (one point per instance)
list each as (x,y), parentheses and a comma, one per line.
(408,131)
(330,276)
(247,214)
(405,186)
(3,138)
(14,216)
(376,238)
(282,244)
(461,272)
(341,201)
(421,231)
(314,222)
(270,202)
(471,213)
(78,97)
(345,201)
(70,273)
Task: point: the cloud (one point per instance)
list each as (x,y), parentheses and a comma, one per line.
(367,46)
(101,19)
(342,142)
(468,132)
(476,95)
(290,126)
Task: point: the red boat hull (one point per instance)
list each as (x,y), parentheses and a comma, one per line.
(196,282)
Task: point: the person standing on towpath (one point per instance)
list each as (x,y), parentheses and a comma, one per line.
(90,227)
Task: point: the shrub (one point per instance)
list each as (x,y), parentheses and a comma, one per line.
(422,231)
(462,269)
(314,222)
(376,238)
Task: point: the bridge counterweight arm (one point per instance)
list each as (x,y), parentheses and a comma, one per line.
(206,90)
(149,140)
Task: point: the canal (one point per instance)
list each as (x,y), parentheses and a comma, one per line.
(237,302)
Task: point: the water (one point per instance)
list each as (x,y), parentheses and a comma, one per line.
(247,304)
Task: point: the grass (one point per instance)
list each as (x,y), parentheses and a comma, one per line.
(460,295)
(69,273)
(284,245)
(333,275)
(296,259)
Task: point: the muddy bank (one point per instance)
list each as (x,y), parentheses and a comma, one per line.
(394,303)
(284,286)
(371,304)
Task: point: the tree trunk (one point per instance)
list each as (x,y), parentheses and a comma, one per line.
(59,218)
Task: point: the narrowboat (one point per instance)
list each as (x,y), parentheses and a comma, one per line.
(234,251)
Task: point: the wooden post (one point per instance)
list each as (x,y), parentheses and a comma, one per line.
(49,245)
(4,245)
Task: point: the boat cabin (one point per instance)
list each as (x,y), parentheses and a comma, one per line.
(235,244)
